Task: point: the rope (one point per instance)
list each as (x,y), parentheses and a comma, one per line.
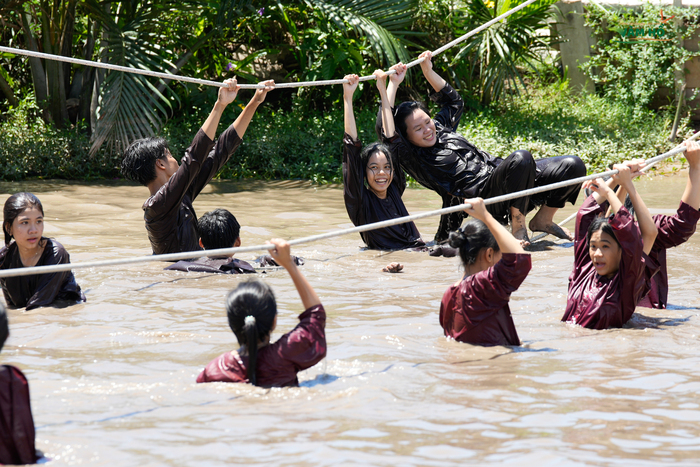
(650,163)
(169,76)
(314,238)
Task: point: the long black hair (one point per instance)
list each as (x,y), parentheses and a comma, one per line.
(16,205)
(4,326)
(371,149)
(473,237)
(402,112)
(251,309)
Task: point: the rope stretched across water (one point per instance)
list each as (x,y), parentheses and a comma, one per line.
(649,164)
(169,76)
(314,238)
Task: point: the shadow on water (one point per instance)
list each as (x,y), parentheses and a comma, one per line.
(547,245)
(642,322)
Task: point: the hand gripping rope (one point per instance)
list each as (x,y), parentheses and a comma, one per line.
(169,76)
(335,233)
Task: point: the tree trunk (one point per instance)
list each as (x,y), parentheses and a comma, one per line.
(54,71)
(88,77)
(41,91)
(7,91)
(67,41)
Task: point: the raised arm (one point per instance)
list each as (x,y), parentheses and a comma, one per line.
(225,97)
(282,256)
(506,242)
(644,219)
(348,113)
(435,80)
(394,81)
(243,120)
(691,196)
(387,116)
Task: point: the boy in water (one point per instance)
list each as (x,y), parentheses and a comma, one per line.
(168,212)
(220,229)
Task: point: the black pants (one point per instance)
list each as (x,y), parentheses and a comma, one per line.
(519,172)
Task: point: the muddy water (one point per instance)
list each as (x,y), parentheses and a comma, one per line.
(112,380)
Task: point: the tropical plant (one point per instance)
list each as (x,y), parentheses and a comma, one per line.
(493,57)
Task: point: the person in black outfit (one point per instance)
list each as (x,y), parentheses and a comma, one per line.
(372,187)
(439,158)
(170,218)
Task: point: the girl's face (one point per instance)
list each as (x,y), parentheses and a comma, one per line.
(420,129)
(27,228)
(379,173)
(605,254)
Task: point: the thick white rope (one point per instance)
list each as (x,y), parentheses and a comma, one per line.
(649,164)
(169,76)
(314,238)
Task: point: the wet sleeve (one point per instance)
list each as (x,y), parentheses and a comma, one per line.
(451,107)
(633,261)
(224,148)
(49,285)
(3,257)
(587,213)
(490,289)
(166,202)
(17,443)
(305,345)
(677,229)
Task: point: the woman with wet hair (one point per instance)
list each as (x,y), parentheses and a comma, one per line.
(252,316)
(25,246)
(441,159)
(612,271)
(372,185)
(475,309)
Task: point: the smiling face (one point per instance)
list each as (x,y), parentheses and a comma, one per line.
(27,228)
(605,253)
(379,173)
(420,129)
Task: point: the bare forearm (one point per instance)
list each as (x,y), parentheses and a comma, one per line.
(435,80)
(244,119)
(212,122)
(349,118)
(306,292)
(646,222)
(391,91)
(387,117)
(506,242)
(691,195)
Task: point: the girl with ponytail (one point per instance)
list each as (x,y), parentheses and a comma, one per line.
(475,309)
(252,316)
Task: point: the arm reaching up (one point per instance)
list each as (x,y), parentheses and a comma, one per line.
(243,120)
(506,242)
(282,256)
(225,97)
(348,113)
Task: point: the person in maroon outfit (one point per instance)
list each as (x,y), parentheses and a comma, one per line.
(252,316)
(611,267)
(673,230)
(169,215)
(16,422)
(25,246)
(380,199)
(475,309)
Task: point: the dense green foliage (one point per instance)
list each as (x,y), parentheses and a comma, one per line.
(306,144)
(638,52)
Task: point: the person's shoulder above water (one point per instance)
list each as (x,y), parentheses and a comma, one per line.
(214,265)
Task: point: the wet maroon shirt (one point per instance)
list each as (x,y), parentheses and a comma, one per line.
(364,207)
(39,289)
(278,363)
(673,231)
(16,422)
(599,302)
(170,218)
(476,310)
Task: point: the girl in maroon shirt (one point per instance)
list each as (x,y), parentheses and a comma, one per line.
(611,267)
(252,316)
(475,309)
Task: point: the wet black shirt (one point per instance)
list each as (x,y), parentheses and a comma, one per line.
(170,218)
(40,289)
(451,167)
(364,207)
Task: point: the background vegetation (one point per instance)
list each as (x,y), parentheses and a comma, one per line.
(76,126)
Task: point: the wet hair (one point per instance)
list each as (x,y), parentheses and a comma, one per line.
(402,112)
(371,149)
(4,325)
(16,205)
(139,162)
(601,223)
(473,237)
(218,229)
(251,309)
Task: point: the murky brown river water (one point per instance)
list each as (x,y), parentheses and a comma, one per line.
(112,380)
